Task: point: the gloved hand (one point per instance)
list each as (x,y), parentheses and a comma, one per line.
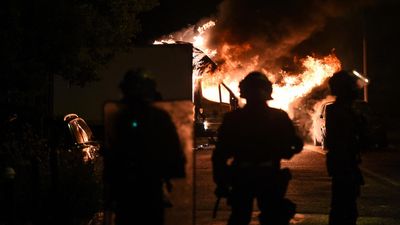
(293,147)
(222,191)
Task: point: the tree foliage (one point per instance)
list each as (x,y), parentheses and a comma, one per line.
(70,38)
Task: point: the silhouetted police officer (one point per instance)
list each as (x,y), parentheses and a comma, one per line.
(343,132)
(144,153)
(246,162)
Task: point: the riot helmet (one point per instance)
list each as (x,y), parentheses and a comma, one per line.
(256,85)
(138,85)
(343,85)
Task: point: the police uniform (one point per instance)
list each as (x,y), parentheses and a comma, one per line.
(343,141)
(255,139)
(343,159)
(144,152)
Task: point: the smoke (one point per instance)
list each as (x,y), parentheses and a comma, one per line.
(265,35)
(269,30)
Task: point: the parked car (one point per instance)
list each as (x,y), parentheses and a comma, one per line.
(82,137)
(319,131)
(373,131)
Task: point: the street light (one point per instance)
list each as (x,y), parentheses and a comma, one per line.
(366,82)
(359,75)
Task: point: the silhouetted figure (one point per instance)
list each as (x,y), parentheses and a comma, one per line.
(246,162)
(145,154)
(343,141)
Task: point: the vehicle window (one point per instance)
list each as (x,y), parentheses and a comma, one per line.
(80,131)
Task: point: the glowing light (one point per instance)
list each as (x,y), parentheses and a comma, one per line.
(363,78)
(206,124)
(135,124)
(205,26)
(167,41)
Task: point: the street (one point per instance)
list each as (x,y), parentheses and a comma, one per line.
(379,203)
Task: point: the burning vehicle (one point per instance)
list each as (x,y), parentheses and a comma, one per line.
(217,73)
(209,114)
(244,36)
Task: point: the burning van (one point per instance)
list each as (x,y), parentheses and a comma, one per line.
(209,114)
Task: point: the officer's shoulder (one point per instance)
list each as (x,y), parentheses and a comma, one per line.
(156,111)
(277,112)
(233,114)
(332,107)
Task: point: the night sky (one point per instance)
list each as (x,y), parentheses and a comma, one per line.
(173,15)
(339,25)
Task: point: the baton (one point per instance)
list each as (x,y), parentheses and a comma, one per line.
(216,206)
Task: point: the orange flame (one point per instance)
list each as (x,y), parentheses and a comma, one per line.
(316,71)
(236,65)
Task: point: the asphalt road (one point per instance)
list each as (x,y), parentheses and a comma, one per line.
(379,203)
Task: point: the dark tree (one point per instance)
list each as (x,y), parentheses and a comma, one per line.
(41,39)
(69,38)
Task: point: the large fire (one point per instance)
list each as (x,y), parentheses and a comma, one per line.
(287,90)
(236,62)
(287,86)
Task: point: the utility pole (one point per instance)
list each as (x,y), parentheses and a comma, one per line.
(364,30)
(365,67)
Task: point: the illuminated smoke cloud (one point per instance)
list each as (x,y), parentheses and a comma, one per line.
(261,35)
(273,28)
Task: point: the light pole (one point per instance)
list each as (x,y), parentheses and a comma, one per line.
(364,43)
(365,67)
